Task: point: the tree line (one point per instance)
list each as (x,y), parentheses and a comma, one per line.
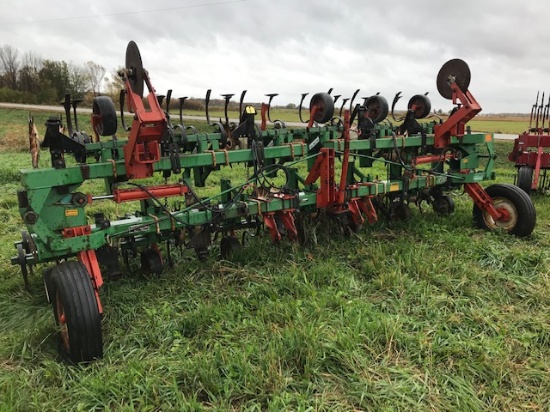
(28,78)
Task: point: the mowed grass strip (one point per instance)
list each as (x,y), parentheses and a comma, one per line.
(428,314)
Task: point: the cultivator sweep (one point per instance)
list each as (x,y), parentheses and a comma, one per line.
(296,174)
(531,152)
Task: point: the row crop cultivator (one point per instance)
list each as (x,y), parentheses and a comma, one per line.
(531,152)
(422,161)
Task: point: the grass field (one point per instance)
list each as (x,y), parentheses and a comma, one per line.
(428,314)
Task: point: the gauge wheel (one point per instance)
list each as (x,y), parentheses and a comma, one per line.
(517,207)
(151,262)
(377,108)
(105,117)
(76,313)
(421,106)
(444,205)
(402,211)
(325,107)
(228,246)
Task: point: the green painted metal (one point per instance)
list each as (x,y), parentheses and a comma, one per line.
(50,193)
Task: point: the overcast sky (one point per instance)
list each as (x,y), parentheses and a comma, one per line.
(296,46)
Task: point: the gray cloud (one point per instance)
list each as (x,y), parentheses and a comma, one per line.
(295,46)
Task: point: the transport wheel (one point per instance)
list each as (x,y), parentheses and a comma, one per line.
(228,246)
(325,107)
(105,116)
(444,205)
(422,106)
(76,313)
(525,178)
(516,204)
(377,108)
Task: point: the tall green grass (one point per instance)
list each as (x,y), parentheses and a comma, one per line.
(428,314)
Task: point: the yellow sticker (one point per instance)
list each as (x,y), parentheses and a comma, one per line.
(250,110)
(71,212)
(394,187)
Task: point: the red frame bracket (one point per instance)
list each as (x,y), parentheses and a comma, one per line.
(454,125)
(88,259)
(148,127)
(324,168)
(485,202)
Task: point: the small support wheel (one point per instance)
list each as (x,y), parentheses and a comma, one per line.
(443,205)
(516,206)
(151,262)
(421,106)
(76,313)
(228,246)
(402,211)
(377,108)
(104,116)
(525,178)
(324,104)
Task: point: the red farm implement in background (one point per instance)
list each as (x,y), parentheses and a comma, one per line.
(531,152)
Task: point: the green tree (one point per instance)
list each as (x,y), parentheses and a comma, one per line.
(56,75)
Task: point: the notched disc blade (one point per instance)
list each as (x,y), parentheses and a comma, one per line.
(134,66)
(457,69)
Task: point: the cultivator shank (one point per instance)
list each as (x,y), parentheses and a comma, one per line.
(421,160)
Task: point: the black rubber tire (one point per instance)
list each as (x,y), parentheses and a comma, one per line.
(424,106)
(48,283)
(522,212)
(525,178)
(151,262)
(228,246)
(402,211)
(325,107)
(104,108)
(377,108)
(76,313)
(444,205)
